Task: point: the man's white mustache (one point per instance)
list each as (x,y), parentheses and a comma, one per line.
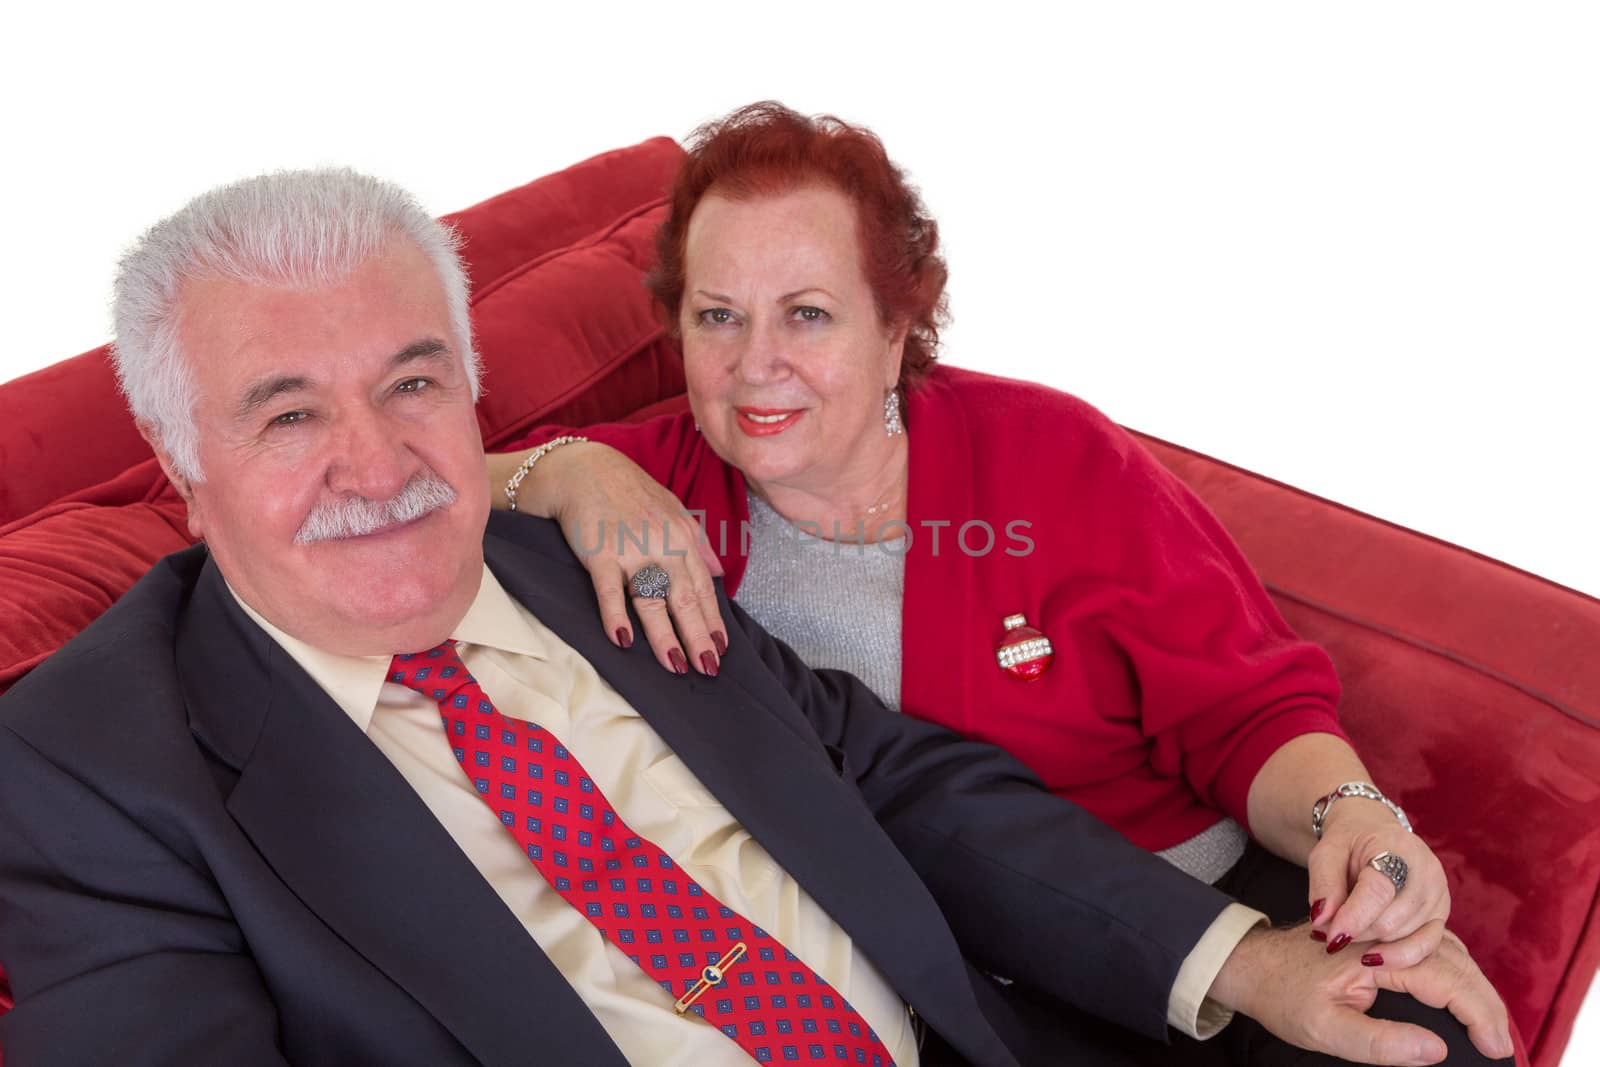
(356,516)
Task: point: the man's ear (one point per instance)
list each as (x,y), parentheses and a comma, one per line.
(185,489)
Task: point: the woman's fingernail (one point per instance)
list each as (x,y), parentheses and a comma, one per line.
(1338,943)
(624,637)
(1372,959)
(708,663)
(679,664)
(721,641)
(1318,935)
(1316,908)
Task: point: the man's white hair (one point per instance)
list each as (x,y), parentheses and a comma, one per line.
(301,229)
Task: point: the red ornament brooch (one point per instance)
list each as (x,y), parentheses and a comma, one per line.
(1023,652)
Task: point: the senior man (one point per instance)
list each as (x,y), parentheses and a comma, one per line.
(360,781)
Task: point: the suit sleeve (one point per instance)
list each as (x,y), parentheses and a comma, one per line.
(1034,888)
(102,973)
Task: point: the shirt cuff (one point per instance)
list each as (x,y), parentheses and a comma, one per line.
(1189,1010)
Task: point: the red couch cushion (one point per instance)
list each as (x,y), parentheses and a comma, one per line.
(505,232)
(62,428)
(63,566)
(1472,692)
(570,337)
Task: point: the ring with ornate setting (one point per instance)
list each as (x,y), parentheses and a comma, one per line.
(1391,867)
(651,582)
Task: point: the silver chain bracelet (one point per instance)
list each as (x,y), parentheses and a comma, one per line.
(1366,790)
(527,465)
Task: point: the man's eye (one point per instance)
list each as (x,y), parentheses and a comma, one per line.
(810,314)
(412,385)
(716,316)
(289,418)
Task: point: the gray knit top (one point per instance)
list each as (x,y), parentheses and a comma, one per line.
(837,604)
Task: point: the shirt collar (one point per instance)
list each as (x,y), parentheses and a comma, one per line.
(355,682)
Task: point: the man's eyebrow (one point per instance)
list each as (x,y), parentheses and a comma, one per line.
(426,348)
(264,391)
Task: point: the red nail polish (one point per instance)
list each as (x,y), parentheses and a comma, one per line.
(1318,935)
(624,637)
(679,664)
(720,639)
(708,663)
(1338,943)
(1316,908)
(1372,959)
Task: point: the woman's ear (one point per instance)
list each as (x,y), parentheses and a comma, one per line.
(895,355)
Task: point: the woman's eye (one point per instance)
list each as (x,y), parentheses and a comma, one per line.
(716,316)
(810,314)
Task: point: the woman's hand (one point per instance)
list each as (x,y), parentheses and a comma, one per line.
(1348,898)
(618,519)
(1358,902)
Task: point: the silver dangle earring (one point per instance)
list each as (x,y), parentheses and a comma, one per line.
(891,415)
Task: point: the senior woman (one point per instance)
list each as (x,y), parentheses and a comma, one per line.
(991,555)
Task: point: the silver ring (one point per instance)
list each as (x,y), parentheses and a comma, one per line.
(1391,867)
(650,582)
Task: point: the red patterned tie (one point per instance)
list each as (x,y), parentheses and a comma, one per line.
(728,970)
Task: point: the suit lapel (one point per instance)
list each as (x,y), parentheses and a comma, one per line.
(752,748)
(351,839)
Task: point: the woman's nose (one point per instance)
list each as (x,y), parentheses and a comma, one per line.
(763,358)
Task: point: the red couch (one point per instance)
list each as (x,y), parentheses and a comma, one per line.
(1469,686)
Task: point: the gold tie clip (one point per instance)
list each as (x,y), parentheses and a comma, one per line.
(709,977)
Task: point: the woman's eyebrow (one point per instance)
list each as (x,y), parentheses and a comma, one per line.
(786,297)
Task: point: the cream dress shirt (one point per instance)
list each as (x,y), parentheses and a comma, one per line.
(531,674)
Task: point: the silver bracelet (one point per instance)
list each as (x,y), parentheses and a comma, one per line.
(1319,810)
(527,465)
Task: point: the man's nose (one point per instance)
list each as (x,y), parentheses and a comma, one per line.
(369,456)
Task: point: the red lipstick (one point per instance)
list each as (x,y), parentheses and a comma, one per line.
(764,422)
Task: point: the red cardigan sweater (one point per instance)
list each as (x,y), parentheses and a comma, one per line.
(1174,676)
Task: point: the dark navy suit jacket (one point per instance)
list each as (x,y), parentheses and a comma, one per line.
(202,860)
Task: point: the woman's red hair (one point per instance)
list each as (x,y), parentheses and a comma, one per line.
(765,149)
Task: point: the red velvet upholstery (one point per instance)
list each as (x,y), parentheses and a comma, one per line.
(1469,686)
(1473,692)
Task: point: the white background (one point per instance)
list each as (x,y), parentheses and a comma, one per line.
(1353,246)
